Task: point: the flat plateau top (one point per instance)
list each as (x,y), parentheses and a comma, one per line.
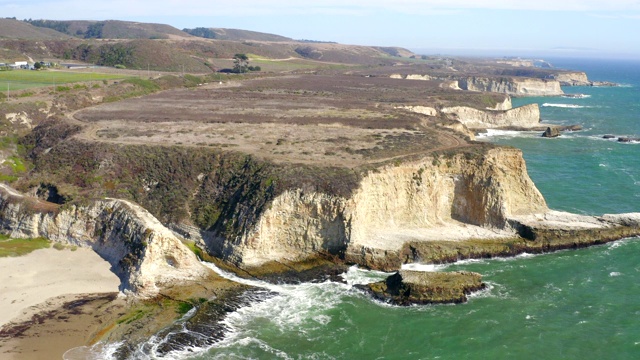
(339,120)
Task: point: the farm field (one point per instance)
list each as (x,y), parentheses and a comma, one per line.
(15,80)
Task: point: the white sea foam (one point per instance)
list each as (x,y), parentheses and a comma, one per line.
(576,96)
(614,274)
(570,106)
(506,133)
(484,293)
(99,351)
(423,267)
(357,276)
(298,308)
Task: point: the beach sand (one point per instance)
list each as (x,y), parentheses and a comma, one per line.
(53,300)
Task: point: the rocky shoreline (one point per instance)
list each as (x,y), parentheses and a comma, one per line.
(280,221)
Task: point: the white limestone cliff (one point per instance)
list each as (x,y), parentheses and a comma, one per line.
(512,86)
(458,197)
(143,253)
(572,78)
(527,116)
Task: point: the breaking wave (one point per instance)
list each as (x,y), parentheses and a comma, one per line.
(568,106)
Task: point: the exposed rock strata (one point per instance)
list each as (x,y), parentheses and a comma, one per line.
(527,116)
(476,193)
(505,105)
(534,233)
(512,86)
(438,209)
(572,78)
(424,110)
(143,253)
(579,78)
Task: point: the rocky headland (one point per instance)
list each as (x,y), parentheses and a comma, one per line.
(290,178)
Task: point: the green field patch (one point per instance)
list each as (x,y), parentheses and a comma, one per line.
(26,79)
(19,247)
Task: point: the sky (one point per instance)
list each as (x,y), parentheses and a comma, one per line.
(543,28)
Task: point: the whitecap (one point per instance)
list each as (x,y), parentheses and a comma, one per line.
(614,274)
(506,133)
(576,96)
(570,106)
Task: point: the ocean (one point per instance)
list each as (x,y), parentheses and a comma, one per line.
(578,304)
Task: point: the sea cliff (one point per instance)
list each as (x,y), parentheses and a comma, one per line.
(524,117)
(144,254)
(512,86)
(445,196)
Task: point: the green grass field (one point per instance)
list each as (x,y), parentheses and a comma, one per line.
(15,80)
(19,247)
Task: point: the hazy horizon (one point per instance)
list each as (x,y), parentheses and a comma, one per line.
(573,28)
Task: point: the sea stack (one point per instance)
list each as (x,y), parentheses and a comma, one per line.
(551,132)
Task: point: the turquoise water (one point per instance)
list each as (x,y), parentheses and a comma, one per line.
(581,172)
(582,304)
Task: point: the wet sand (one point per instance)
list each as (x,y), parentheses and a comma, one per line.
(53,300)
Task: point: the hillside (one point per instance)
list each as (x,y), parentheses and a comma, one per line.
(235,34)
(15,29)
(111,29)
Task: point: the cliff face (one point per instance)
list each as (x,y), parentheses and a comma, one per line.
(512,86)
(505,105)
(573,78)
(142,252)
(297,225)
(474,193)
(527,116)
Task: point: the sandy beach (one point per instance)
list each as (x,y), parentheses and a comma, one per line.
(60,291)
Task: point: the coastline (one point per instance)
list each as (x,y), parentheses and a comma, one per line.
(60,292)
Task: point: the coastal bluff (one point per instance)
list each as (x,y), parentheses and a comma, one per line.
(144,254)
(433,210)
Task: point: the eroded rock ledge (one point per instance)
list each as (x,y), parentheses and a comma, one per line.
(407,287)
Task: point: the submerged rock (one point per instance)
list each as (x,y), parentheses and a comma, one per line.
(418,287)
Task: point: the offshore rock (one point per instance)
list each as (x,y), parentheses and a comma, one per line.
(551,132)
(419,287)
(144,254)
(628,139)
